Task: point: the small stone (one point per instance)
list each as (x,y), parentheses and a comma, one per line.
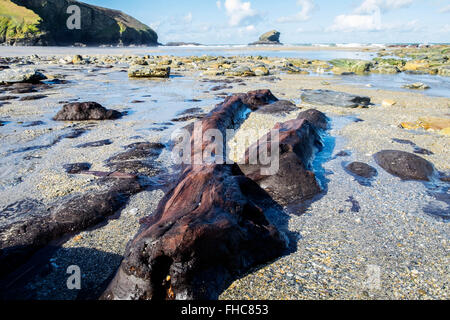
(388,103)
(416,86)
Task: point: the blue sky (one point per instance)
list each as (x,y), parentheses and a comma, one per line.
(299,21)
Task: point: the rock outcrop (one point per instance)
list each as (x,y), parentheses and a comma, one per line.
(39,22)
(268,38)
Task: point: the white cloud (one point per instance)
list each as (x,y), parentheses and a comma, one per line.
(367,17)
(305,13)
(356,22)
(219,4)
(371,6)
(188,18)
(445,9)
(446,28)
(241,13)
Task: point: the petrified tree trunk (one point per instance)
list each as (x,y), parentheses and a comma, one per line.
(208,230)
(294,180)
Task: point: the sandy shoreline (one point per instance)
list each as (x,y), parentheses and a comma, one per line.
(11,51)
(336,244)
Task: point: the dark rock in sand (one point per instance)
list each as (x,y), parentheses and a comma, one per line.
(81,111)
(206,232)
(27,233)
(315,117)
(95,144)
(20,88)
(423,151)
(356,207)
(33,124)
(278,107)
(342,154)
(34,97)
(6,98)
(294,181)
(404,165)
(189,114)
(362,170)
(222,87)
(139,159)
(75,168)
(334,98)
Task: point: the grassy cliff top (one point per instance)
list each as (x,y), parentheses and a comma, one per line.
(17,14)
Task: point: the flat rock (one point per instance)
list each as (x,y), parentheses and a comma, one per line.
(404,165)
(416,86)
(83,111)
(20,75)
(137,71)
(278,107)
(334,98)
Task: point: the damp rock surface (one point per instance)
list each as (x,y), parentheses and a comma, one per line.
(404,165)
(82,111)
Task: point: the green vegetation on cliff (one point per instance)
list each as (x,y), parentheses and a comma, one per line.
(43,22)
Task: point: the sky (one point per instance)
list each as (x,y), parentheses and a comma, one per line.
(299,21)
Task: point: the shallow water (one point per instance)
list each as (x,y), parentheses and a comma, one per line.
(439,86)
(195,51)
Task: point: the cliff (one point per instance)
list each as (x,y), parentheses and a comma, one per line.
(44,22)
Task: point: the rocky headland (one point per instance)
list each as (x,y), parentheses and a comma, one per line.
(43,23)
